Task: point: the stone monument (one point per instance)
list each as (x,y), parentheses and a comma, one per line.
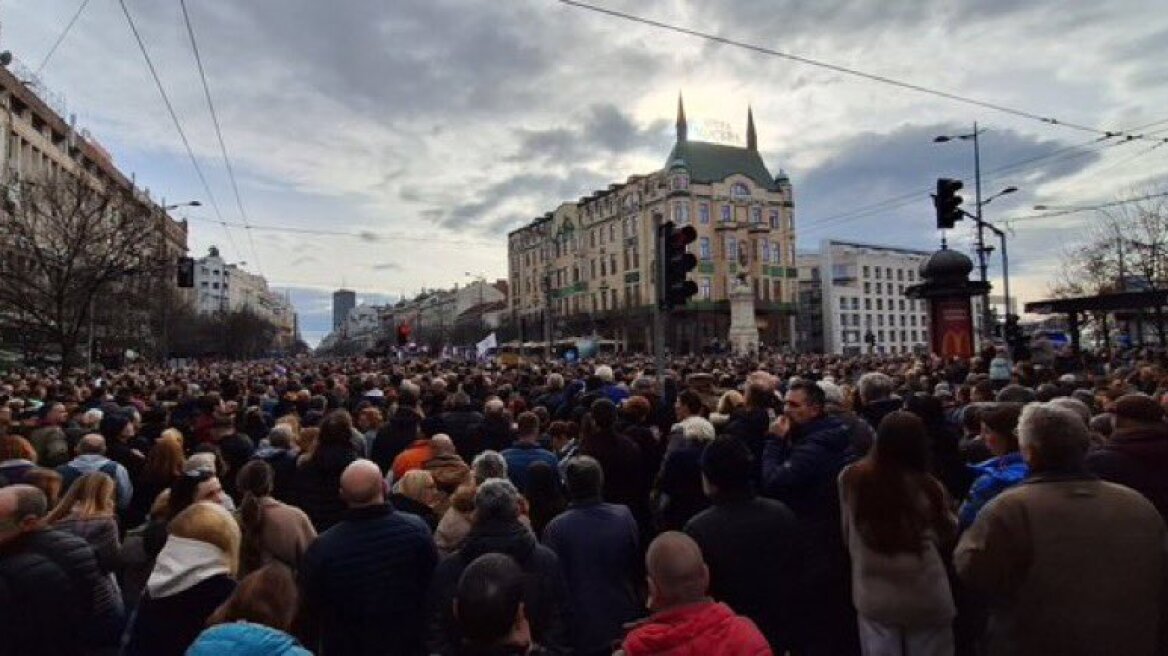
(743,328)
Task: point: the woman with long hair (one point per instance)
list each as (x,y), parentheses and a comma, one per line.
(318,478)
(164,466)
(271,530)
(88,510)
(896,520)
(256,619)
(192,576)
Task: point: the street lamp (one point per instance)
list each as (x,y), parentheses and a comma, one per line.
(190,203)
(1004,192)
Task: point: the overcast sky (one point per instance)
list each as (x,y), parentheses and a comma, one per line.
(426,129)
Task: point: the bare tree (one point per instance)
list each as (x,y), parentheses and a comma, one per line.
(67,241)
(1125,249)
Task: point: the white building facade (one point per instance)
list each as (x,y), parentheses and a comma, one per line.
(224,287)
(862,307)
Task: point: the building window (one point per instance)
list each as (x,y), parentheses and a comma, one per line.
(843,304)
(774,218)
(739,190)
(756,215)
(776,253)
(591,238)
(900,305)
(766,252)
(704,213)
(865,272)
(878,273)
(900,274)
(603,268)
(867,304)
(731,247)
(214,285)
(705,289)
(879,304)
(867,288)
(681,213)
(726,216)
(612,263)
(704,248)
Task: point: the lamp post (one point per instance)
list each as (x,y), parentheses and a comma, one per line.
(986,225)
(981,252)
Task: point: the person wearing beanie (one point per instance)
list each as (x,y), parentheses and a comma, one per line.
(1136,455)
(749,543)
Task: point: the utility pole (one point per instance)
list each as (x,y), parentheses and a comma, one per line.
(982,262)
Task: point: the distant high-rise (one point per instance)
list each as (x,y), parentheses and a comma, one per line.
(343,301)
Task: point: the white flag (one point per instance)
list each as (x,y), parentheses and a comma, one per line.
(489,342)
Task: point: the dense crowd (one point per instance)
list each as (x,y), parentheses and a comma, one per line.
(801,504)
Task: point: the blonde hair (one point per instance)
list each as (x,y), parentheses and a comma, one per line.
(174,433)
(209,522)
(730,402)
(293,422)
(91,495)
(414,484)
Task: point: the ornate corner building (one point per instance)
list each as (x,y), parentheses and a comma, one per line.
(588,267)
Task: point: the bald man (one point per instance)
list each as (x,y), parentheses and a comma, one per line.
(364,581)
(684,619)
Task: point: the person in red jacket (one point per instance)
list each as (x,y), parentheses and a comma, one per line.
(685,620)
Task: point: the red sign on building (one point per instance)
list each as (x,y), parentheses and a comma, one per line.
(952,327)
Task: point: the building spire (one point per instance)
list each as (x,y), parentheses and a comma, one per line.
(751,137)
(682,129)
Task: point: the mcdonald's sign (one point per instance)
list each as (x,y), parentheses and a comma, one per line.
(952,327)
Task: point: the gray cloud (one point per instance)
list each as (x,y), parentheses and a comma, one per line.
(604,129)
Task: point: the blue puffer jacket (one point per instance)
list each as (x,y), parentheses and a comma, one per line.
(245,639)
(994,476)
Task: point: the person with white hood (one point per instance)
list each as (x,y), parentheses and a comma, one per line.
(193,574)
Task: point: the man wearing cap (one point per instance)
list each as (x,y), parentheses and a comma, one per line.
(1136,455)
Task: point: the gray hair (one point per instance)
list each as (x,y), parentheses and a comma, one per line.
(874,386)
(411,387)
(555,381)
(1075,405)
(488,465)
(92,417)
(1055,433)
(698,429)
(494,406)
(604,373)
(584,478)
(280,436)
(497,498)
(200,462)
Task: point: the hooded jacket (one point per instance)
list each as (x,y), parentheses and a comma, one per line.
(706,628)
(245,639)
(190,580)
(1138,458)
(545,596)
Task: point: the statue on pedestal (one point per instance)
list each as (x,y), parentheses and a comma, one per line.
(743,336)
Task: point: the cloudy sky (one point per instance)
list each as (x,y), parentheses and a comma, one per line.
(408,137)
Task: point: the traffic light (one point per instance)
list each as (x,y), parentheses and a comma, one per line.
(186,272)
(675,288)
(948,203)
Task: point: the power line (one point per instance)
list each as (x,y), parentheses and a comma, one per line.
(219,135)
(1049,120)
(174,118)
(1085,208)
(61,37)
(366,235)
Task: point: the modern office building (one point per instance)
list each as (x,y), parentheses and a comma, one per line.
(344,300)
(852,300)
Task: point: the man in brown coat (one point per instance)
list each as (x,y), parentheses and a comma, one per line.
(1073,565)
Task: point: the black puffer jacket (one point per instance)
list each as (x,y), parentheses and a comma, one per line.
(49,581)
(398,433)
(545,595)
(1138,458)
(496,433)
(318,484)
(363,583)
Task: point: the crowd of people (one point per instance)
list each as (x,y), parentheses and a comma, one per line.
(789,504)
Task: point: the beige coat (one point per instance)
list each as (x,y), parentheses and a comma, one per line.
(1073,565)
(287,532)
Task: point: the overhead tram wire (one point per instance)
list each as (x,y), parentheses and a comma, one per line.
(1063,154)
(1086,208)
(968,100)
(61,37)
(356,235)
(177,124)
(219,134)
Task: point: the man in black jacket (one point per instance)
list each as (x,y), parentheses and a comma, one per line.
(750,544)
(400,431)
(1136,454)
(362,581)
(497,529)
(49,583)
